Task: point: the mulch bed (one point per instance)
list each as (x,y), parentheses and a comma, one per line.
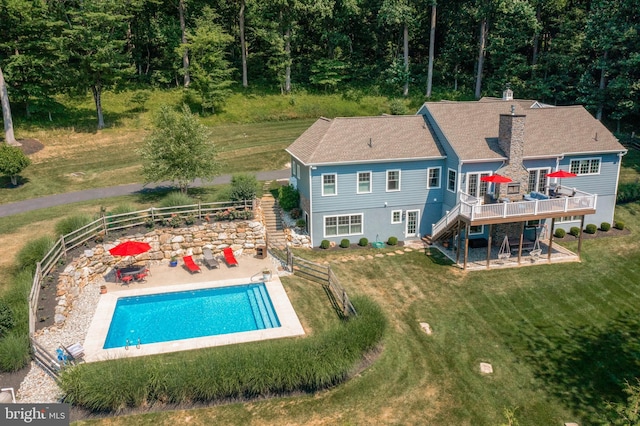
(30,146)
(613,232)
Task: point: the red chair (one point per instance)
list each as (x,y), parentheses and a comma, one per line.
(142,276)
(190,264)
(126,279)
(229,257)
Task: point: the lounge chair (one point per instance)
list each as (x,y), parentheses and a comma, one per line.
(229,257)
(209,259)
(190,264)
(75,352)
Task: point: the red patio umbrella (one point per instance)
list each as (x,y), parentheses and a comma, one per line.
(130,248)
(496,179)
(561,174)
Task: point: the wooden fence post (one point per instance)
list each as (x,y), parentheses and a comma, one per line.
(64,245)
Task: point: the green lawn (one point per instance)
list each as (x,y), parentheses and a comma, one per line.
(561,338)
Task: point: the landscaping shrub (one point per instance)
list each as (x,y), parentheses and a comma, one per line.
(244,186)
(363,242)
(176,199)
(392,241)
(118,210)
(33,252)
(295,213)
(262,368)
(590,228)
(288,197)
(345,243)
(325,244)
(560,233)
(575,231)
(72,223)
(15,351)
(6,318)
(301,223)
(619,225)
(628,192)
(605,226)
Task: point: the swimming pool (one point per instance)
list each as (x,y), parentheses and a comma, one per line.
(190,314)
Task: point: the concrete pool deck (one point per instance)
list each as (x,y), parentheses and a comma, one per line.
(167,279)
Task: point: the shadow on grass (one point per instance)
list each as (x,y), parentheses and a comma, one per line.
(587,366)
(436,257)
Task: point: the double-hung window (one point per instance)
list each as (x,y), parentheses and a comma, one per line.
(329,184)
(364,182)
(338,226)
(585,166)
(451,180)
(393,180)
(433,177)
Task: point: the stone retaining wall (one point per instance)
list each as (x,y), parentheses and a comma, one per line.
(96,263)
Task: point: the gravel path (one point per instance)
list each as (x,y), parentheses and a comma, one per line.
(39,387)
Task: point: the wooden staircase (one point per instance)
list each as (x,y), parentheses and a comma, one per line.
(273,221)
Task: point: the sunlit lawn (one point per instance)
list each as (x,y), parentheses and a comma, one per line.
(561,338)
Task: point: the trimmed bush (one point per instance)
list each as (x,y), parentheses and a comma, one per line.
(590,228)
(605,226)
(345,243)
(176,199)
(244,186)
(72,223)
(288,197)
(301,223)
(392,241)
(325,244)
(560,233)
(7,322)
(270,367)
(575,231)
(363,242)
(33,252)
(619,225)
(295,213)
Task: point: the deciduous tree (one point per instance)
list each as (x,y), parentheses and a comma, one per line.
(178,149)
(12,162)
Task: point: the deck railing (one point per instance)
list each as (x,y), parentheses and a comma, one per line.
(471,210)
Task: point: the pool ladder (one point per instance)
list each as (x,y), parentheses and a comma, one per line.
(127,344)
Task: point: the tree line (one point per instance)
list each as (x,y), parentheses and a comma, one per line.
(555,51)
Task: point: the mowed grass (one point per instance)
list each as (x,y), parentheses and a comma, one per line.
(561,338)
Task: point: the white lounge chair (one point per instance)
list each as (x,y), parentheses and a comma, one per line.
(75,351)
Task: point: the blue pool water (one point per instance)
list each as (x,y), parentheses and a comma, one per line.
(187,314)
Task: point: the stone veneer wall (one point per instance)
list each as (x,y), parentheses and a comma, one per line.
(94,264)
(511,140)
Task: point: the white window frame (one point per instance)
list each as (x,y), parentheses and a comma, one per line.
(439,169)
(568,219)
(358,182)
(298,169)
(293,168)
(337,225)
(393,221)
(537,170)
(335,184)
(481,184)
(579,161)
(399,180)
(477,232)
(417,223)
(455,180)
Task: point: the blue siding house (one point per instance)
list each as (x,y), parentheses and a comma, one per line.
(425,175)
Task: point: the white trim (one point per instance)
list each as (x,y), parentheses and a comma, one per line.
(439,177)
(455,180)
(370,182)
(480,182)
(417,223)
(476,233)
(589,159)
(297,169)
(293,168)
(335,176)
(387,180)
(396,222)
(337,216)
(537,170)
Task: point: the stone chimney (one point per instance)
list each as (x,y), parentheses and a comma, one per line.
(511,141)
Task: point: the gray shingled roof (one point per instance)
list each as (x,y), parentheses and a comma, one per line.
(366,139)
(472,129)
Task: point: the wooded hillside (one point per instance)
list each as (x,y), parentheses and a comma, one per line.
(556,51)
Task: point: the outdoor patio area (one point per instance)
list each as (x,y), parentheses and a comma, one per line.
(477,257)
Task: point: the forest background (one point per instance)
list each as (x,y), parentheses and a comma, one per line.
(555,51)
